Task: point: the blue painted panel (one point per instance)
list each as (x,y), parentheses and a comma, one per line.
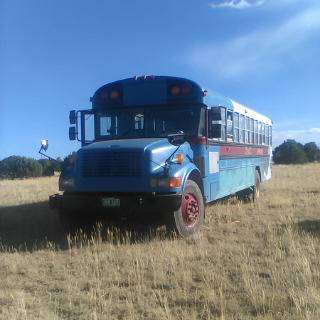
(145,93)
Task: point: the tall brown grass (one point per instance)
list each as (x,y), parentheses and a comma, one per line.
(251,261)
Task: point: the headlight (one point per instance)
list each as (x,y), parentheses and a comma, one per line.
(66,183)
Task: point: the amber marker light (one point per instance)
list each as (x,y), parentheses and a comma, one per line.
(178,158)
(185,89)
(175,90)
(114,95)
(174,182)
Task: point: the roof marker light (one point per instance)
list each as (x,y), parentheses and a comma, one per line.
(114,94)
(175,90)
(186,89)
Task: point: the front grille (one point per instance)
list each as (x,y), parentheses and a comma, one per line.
(110,163)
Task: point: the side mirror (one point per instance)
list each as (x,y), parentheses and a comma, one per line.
(73,117)
(72,133)
(44,144)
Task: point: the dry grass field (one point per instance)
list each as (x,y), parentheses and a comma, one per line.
(252,261)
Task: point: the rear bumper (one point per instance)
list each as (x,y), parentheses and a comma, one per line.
(145,202)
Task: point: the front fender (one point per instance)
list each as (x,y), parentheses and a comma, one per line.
(185,172)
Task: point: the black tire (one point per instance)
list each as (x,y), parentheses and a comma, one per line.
(188,219)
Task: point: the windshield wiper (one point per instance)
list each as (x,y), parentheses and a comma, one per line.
(177,137)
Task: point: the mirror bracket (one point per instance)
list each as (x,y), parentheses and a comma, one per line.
(73,134)
(44,147)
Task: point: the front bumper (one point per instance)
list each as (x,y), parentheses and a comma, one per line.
(129,202)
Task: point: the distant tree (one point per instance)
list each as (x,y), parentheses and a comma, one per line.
(50,166)
(20,167)
(47,167)
(68,161)
(57,164)
(290,152)
(312,151)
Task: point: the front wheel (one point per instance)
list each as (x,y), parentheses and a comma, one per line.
(188,219)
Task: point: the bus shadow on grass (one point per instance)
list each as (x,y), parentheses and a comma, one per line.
(311,227)
(31,227)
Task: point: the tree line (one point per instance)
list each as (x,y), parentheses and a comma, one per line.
(17,167)
(293,152)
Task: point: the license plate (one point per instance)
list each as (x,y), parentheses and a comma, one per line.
(110,202)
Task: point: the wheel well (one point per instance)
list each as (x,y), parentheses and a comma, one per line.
(195,176)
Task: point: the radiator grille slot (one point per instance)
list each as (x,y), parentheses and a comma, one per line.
(110,163)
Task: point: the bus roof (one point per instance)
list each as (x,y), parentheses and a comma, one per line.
(214,99)
(153,90)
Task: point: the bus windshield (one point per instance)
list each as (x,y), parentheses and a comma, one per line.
(151,122)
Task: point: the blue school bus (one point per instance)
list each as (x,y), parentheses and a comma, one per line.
(163,145)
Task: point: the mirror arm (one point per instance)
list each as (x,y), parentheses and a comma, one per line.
(48,157)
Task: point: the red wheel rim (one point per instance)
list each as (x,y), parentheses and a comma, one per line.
(190,210)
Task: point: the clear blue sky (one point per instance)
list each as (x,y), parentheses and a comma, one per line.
(55,53)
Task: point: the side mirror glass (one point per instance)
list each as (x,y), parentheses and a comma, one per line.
(44,144)
(72,133)
(73,117)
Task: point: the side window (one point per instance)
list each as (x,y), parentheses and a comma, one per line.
(242,128)
(89,125)
(229,126)
(236,126)
(260,132)
(270,136)
(251,131)
(256,140)
(215,127)
(266,132)
(247,130)
(223,124)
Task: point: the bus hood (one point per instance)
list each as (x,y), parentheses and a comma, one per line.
(153,152)
(127,144)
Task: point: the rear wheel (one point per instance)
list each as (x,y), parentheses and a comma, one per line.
(253,193)
(188,219)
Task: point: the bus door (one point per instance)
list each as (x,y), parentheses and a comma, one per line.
(213,155)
